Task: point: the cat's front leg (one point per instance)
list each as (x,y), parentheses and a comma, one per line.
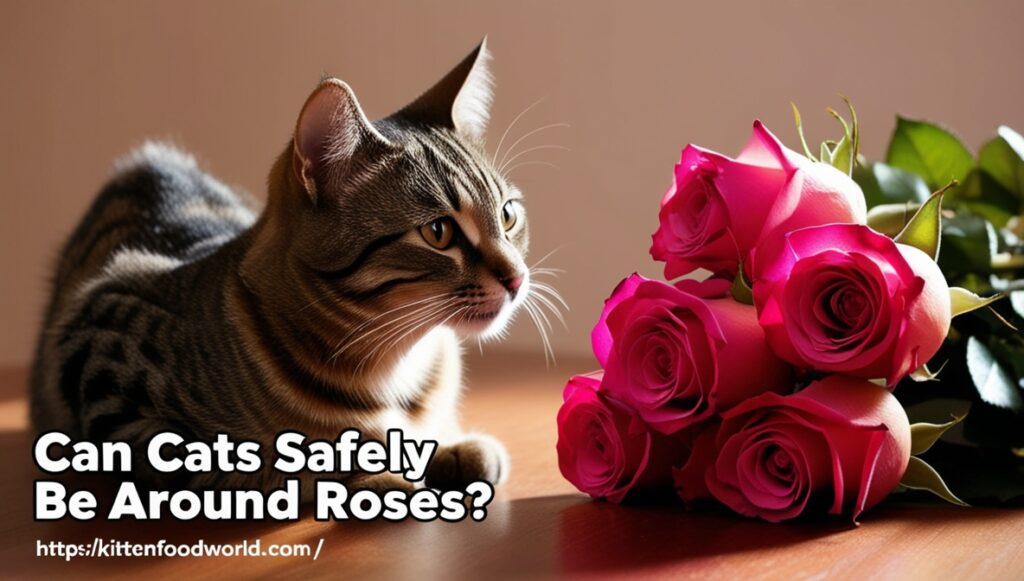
(472,458)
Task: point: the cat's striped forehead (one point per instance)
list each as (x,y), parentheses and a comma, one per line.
(460,171)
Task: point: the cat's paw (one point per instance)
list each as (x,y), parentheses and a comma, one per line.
(476,457)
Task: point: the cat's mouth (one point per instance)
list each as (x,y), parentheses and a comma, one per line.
(483,317)
(487,319)
(484,324)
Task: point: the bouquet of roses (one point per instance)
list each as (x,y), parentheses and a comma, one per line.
(762,378)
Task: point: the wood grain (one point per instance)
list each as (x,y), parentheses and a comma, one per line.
(537,526)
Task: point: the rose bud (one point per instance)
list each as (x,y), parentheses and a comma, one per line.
(839,446)
(718,209)
(604,449)
(677,356)
(845,299)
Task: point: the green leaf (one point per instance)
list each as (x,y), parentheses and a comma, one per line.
(1003,159)
(929,151)
(986,197)
(898,184)
(921,476)
(741,290)
(1009,350)
(1014,139)
(825,156)
(924,231)
(981,475)
(885,184)
(891,219)
(964,301)
(969,243)
(843,155)
(855,134)
(993,383)
(991,212)
(842,158)
(924,435)
(800,131)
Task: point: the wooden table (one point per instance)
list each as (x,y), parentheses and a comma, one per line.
(537,526)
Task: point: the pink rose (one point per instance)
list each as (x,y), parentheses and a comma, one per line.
(718,209)
(678,356)
(846,299)
(841,446)
(604,449)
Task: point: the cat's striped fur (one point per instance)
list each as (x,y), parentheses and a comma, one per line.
(177,307)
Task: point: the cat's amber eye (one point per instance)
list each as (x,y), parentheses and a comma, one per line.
(509,216)
(438,233)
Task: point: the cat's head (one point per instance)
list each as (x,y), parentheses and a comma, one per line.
(405,219)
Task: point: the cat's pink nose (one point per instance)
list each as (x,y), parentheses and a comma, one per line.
(512,284)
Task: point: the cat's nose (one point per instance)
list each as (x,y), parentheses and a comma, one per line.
(512,284)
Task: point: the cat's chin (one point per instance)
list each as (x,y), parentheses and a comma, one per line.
(485,325)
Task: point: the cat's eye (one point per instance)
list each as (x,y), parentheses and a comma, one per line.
(509,216)
(438,233)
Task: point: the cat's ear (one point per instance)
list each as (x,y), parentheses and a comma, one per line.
(461,100)
(331,130)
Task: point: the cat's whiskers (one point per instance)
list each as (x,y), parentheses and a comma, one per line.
(515,120)
(549,290)
(377,317)
(376,347)
(540,261)
(386,345)
(527,136)
(509,171)
(505,164)
(540,313)
(549,354)
(386,328)
(376,352)
(552,272)
(315,301)
(420,308)
(543,296)
(420,317)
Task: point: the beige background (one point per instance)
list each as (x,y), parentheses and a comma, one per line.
(83,82)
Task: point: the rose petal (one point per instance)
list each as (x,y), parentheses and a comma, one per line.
(845,441)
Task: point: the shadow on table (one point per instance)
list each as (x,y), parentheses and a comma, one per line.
(599,536)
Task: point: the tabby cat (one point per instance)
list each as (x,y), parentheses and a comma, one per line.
(177,308)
